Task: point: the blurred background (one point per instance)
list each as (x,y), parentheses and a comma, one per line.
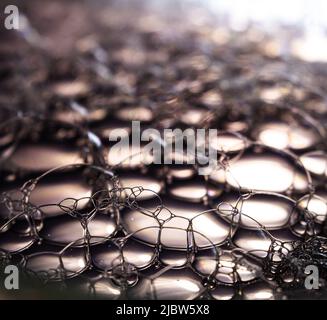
(307,19)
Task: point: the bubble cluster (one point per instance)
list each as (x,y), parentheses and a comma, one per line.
(77,222)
